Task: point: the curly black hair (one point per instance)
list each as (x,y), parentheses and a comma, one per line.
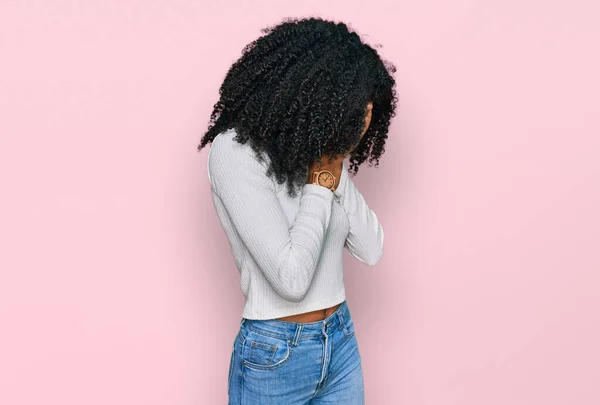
(300,92)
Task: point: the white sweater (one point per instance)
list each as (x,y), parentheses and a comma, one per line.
(288,250)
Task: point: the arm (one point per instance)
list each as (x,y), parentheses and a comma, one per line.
(288,256)
(365,238)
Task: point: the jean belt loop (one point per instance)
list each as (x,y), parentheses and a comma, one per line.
(299,327)
(242,321)
(341,319)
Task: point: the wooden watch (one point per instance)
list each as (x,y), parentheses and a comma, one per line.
(324,178)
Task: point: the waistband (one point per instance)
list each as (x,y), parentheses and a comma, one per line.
(300,330)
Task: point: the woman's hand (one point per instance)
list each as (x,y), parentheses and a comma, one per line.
(335,163)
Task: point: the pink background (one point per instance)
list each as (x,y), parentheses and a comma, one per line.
(117,285)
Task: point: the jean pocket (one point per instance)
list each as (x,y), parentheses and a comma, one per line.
(265,352)
(348,327)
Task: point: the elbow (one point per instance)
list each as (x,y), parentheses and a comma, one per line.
(372,260)
(368,253)
(293,295)
(294,279)
(290,290)
(368,257)
(294,290)
(376,253)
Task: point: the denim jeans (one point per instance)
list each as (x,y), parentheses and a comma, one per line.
(296,363)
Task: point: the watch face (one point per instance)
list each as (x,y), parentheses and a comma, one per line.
(326,179)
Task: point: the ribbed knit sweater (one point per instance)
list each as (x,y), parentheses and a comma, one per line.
(288,250)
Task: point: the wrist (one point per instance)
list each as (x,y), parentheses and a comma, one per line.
(324,177)
(326,173)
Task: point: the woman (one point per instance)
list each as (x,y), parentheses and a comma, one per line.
(299,101)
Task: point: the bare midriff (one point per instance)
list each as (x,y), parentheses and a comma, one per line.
(312,316)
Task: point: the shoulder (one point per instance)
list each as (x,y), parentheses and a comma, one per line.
(225,148)
(227,158)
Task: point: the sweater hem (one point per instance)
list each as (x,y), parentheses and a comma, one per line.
(300,309)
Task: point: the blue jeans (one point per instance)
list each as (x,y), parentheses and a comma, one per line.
(297,363)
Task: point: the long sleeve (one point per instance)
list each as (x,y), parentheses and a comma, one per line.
(287,255)
(365,238)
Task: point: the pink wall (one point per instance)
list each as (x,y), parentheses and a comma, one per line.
(117,285)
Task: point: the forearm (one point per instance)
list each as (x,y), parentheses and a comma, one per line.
(365,237)
(287,255)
